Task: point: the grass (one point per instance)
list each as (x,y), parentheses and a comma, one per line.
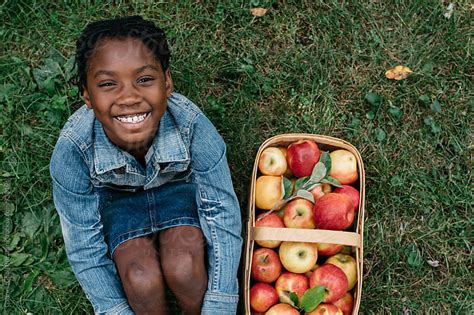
(305,66)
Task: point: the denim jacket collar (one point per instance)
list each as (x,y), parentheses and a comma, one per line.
(109,157)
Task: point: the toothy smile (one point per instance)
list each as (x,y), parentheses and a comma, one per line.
(132,119)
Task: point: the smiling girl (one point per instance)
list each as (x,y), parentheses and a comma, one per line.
(141,182)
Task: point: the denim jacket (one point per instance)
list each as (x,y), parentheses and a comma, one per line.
(187,147)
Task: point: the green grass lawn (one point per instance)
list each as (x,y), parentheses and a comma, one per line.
(303,67)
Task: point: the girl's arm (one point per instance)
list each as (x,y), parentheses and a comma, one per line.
(220,217)
(77,207)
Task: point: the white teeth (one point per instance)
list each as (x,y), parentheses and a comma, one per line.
(132,119)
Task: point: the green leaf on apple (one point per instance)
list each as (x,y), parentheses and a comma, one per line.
(286,187)
(312,298)
(294,298)
(326,160)
(318,173)
(305,195)
(300,182)
(312,186)
(332,181)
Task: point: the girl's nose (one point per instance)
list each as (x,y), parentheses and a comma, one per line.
(128,96)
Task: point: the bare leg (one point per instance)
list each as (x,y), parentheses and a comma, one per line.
(140,271)
(182,259)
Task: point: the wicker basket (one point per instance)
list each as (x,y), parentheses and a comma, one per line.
(354,239)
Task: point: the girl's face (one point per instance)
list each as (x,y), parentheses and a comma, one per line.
(128,91)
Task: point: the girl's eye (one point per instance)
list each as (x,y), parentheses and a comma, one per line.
(145,79)
(106,84)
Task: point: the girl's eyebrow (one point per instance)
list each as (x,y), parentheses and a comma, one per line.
(152,67)
(137,71)
(104,72)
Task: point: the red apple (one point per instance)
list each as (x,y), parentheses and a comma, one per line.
(299,214)
(291,282)
(272,162)
(333,212)
(326,309)
(268,191)
(348,265)
(346,303)
(343,166)
(302,156)
(298,257)
(333,278)
(351,192)
(266,265)
(325,249)
(282,309)
(262,297)
(320,191)
(269,220)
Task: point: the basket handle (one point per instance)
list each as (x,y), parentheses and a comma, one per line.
(305,235)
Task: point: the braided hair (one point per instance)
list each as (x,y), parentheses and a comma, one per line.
(126,27)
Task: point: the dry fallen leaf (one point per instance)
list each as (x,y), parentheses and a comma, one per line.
(398,73)
(433,263)
(258,11)
(449,11)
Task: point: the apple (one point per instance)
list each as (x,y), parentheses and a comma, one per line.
(282,309)
(346,250)
(333,278)
(351,192)
(308,273)
(343,166)
(320,190)
(291,282)
(299,214)
(346,303)
(288,173)
(298,257)
(269,220)
(266,265)
(268,191)
(326,249)
(262,297)
(272,162)
(348,265)
(333,212)
(326,309)
(302,156)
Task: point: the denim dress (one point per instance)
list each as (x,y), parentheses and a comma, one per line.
(104,197)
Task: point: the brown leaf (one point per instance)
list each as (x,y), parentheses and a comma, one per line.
(258,11)
(433,263)
(398,73)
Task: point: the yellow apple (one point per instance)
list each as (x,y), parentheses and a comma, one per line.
(343,166)
(298,257)
(268,191)
(272,162)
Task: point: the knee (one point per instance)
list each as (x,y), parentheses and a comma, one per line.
(144,286)
(185,270)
